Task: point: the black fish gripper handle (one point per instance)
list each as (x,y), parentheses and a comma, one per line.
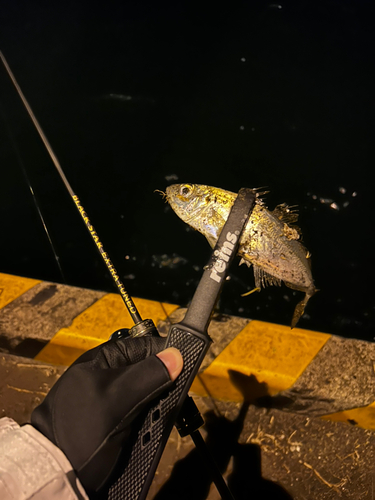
(154,433)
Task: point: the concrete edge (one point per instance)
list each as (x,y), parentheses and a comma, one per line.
(299,371)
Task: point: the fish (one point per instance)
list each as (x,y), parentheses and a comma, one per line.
(269,242)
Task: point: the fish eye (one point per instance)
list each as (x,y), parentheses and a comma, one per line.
(186,190)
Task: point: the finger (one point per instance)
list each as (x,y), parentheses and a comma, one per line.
(138,348)
(123,352)
(173,361)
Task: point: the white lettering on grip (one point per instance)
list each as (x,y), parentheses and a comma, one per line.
(223,255)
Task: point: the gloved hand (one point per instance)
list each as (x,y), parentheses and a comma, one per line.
(90,410)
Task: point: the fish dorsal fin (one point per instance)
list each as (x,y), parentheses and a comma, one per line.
(260,192)
(285,213)
(263,279)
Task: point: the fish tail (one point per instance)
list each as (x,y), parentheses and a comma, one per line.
(300,308)
(298,312)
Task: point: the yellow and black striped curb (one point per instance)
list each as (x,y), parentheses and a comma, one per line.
(297,370)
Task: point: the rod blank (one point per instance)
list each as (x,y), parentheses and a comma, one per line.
(99,245)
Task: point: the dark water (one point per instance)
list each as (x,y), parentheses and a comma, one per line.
(134,96)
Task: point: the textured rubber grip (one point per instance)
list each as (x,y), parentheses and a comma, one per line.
(191,339)
(138,475)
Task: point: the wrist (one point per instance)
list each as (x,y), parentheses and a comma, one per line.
(30,463)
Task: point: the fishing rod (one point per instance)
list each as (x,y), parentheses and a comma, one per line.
(189,336)
(140,327)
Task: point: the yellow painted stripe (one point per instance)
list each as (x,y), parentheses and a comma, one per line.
(12,287)
(95,325)
(364,417)
(274,354)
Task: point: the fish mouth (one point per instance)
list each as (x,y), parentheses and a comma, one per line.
(169,193)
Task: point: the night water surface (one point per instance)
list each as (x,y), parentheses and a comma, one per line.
(134,96)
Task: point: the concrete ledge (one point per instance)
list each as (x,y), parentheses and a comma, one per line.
(258,450)
(24,383)
(298,371)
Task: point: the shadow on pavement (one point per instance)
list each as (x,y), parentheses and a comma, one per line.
(190,477)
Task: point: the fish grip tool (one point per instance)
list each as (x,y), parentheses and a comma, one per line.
(190,337)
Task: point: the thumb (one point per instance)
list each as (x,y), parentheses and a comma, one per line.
(172,360)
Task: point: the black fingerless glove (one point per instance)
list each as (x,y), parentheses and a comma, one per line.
(89,412)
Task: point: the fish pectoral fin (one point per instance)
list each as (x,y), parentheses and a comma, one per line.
(211,226)
(285,213)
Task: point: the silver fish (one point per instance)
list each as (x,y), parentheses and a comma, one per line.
(268,242)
